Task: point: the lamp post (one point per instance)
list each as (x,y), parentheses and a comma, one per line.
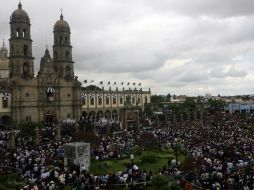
(175,146)
(210,167)
(132,158)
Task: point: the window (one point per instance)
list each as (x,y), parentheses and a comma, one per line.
(25,50)
(24,33)
(25,69)
(100,100)
(67,55)
(17,32)
(66,40)
(28,118)
(67,71)
(138,101)
(146,99)
(4,103)
(133,100)
(107,100)
(92,100)
(121,100)
(114,100)
(61,40)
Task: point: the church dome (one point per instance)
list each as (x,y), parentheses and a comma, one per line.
(61,25)
(19,14)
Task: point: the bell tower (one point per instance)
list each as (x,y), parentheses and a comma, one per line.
(62,50)
(21,59)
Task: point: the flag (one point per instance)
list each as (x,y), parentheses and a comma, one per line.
(134,83)
(114,83)
(122,83)
(139,84)
(101,82)
(91,81)
(85,81)
(108,82)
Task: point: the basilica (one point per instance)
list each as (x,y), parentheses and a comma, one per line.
(54,93)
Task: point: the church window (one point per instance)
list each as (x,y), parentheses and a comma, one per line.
(28,118)
(133,100)
(17,32)
(138,101)
(67,54)
(25,50)
(107,100)
(61,40)
(67,71)
(24,32)
(25,69)
(100,101)
(92,100)
(4,103)
(114,100)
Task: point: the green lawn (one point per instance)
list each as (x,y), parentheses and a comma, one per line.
(151,160)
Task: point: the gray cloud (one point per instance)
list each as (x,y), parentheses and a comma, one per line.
(193,47)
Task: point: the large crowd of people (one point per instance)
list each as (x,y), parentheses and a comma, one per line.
(222,149)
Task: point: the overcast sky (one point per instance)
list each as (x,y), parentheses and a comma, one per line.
(191,47)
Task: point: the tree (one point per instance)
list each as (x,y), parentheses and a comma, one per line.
(148,141)
(215,106)
(160,182)
(168,97)
(176,109)
(164,183)
(27,129)
(157,99)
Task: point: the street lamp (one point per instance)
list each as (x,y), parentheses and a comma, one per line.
(132,158)
(175,146)
(210,167)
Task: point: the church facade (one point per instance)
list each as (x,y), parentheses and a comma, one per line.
(54,94)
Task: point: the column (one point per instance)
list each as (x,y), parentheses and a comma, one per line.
(58,133)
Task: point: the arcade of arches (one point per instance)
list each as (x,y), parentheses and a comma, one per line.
(108,114)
